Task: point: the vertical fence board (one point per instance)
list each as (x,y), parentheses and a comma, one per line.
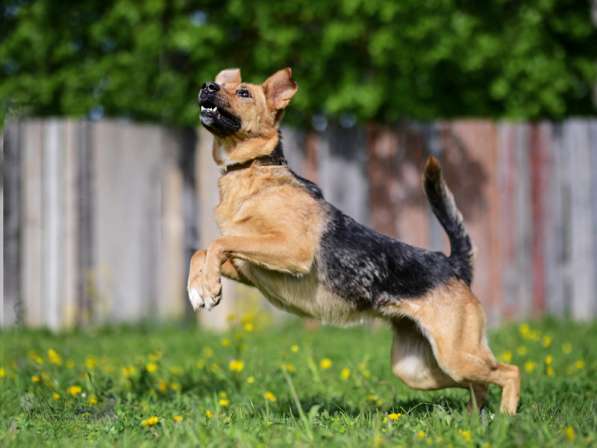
(593,142)
(577,136)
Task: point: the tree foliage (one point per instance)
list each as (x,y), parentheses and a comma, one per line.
(379,60)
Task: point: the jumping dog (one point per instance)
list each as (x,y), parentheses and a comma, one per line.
(281,236)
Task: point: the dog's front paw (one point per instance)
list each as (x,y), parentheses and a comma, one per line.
(203,296)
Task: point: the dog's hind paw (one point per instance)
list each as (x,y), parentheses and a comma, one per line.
(200,298)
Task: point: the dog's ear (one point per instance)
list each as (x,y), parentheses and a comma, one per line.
(280,88)
(229,75)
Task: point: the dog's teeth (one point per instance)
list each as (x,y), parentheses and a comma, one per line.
(208,109)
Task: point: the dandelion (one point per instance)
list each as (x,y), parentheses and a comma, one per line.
(570,433)
(162,386)
(394,416)
(176,387)
(150,421)
(128,372)
(54,357)
(421,435)
(345,373)
(236,365)
(178,418)
(74,390)
(579,364)
(92,400)
(269,396)
(567,348)
(55,396)
(224,402)
(524,329)
(2,372)
(36,358)
(325,363)
(209,414)
(35,378)
(249,327)
(547,340)
(506,357)
(90,363)
(467,436)
(288,367)
(225,342)
(151,367)
(294,348)
(548,360)
(522,350)
(530,366)
(250,380)
(550,371)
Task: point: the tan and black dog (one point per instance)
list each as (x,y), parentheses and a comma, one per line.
(281,236)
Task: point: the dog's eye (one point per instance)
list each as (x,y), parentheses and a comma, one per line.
(244,93)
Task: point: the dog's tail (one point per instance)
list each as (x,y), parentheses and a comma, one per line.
(444,208)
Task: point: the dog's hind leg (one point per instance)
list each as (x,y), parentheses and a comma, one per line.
(413,360)
(452,320)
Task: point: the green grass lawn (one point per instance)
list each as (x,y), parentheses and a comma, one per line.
(280,386)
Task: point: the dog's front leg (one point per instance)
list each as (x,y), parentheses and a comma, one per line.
(194,279)
(271,251)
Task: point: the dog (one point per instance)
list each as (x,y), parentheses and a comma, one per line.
(281,236)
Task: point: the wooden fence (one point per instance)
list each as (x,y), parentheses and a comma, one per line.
(100,218)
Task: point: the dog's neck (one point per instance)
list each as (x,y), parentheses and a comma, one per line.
(231,154)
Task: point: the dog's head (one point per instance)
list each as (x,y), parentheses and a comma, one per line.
(230,107)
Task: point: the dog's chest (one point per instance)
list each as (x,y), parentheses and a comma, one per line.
(303,295)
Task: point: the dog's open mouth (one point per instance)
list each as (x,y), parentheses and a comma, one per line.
(217,119)
(210,109)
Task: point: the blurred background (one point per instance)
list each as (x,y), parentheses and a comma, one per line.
(108,183)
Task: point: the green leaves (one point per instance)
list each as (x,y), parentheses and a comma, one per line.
(376,59)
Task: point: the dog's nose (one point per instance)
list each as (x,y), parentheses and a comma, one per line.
(210,87)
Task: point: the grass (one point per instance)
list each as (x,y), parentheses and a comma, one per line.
(280,386)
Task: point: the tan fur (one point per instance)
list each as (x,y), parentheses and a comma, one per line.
(271,230)
(452,320)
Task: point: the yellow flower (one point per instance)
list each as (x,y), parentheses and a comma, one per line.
(236,365)
(54,357)
(466,435)
(294,348)
(506,357)
(74,390)
(288,367)
(250,380)
(522,350)
(151,367)
(36,358)
(530,366)
(550,371)
(209,414)
(127,372)
(225,342)
(421,435)
(579,364)
(90,362)
(345,373)
(92,400)
(35,378)
(394,416)
(55,396)
(567,348)
(150,421)
(548,360)
(570,433)
(178,418)
(176,387)
(249,327)
(269,396)
(325,363)
(2,372)
(524,329)
(547,340)
(224,402)
(162,386)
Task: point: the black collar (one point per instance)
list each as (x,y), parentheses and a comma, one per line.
(276,158)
